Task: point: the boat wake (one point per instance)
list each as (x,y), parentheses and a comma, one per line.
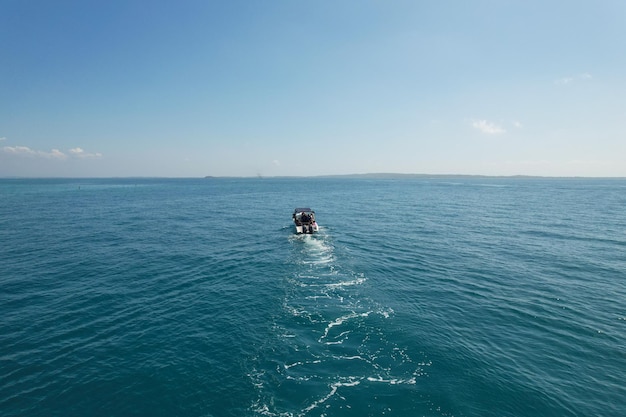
(332,347)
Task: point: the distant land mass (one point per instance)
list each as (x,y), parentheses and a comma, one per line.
(390,175)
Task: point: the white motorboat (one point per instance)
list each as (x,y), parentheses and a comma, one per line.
(304,219)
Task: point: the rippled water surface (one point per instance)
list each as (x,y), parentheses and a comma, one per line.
(418,297)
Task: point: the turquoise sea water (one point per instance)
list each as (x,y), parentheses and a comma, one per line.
(419,297)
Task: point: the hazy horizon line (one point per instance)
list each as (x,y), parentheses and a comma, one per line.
(374,175)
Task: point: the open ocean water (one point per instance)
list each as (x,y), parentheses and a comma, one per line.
(419,297)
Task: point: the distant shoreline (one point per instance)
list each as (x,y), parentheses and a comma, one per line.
(411,176)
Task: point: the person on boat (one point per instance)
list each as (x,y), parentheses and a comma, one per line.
(304,218)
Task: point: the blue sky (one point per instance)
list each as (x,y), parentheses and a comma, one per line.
(247,88)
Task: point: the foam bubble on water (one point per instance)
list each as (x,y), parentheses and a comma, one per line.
(386,313)
(350,358)
(265,411)
(288,366)
(315,244)
(353,282)
(316,250)
(317,297)
(319,261)
(392,381)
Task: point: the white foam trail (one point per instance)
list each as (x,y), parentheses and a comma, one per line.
(341,320)
(333,390)
(410,381)
(357,281)
(288,366)
(324,296)
(351,358)
(319,261)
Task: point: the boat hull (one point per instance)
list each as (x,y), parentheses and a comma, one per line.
(307,228)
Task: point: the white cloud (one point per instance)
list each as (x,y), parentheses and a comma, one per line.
(55,153)
(18,150)
(76,151)
(563,81)
(80,153)
(276,162)
(26,151)
(573,78)
(487,127)
(52,154)
(3,138)
(517,124)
